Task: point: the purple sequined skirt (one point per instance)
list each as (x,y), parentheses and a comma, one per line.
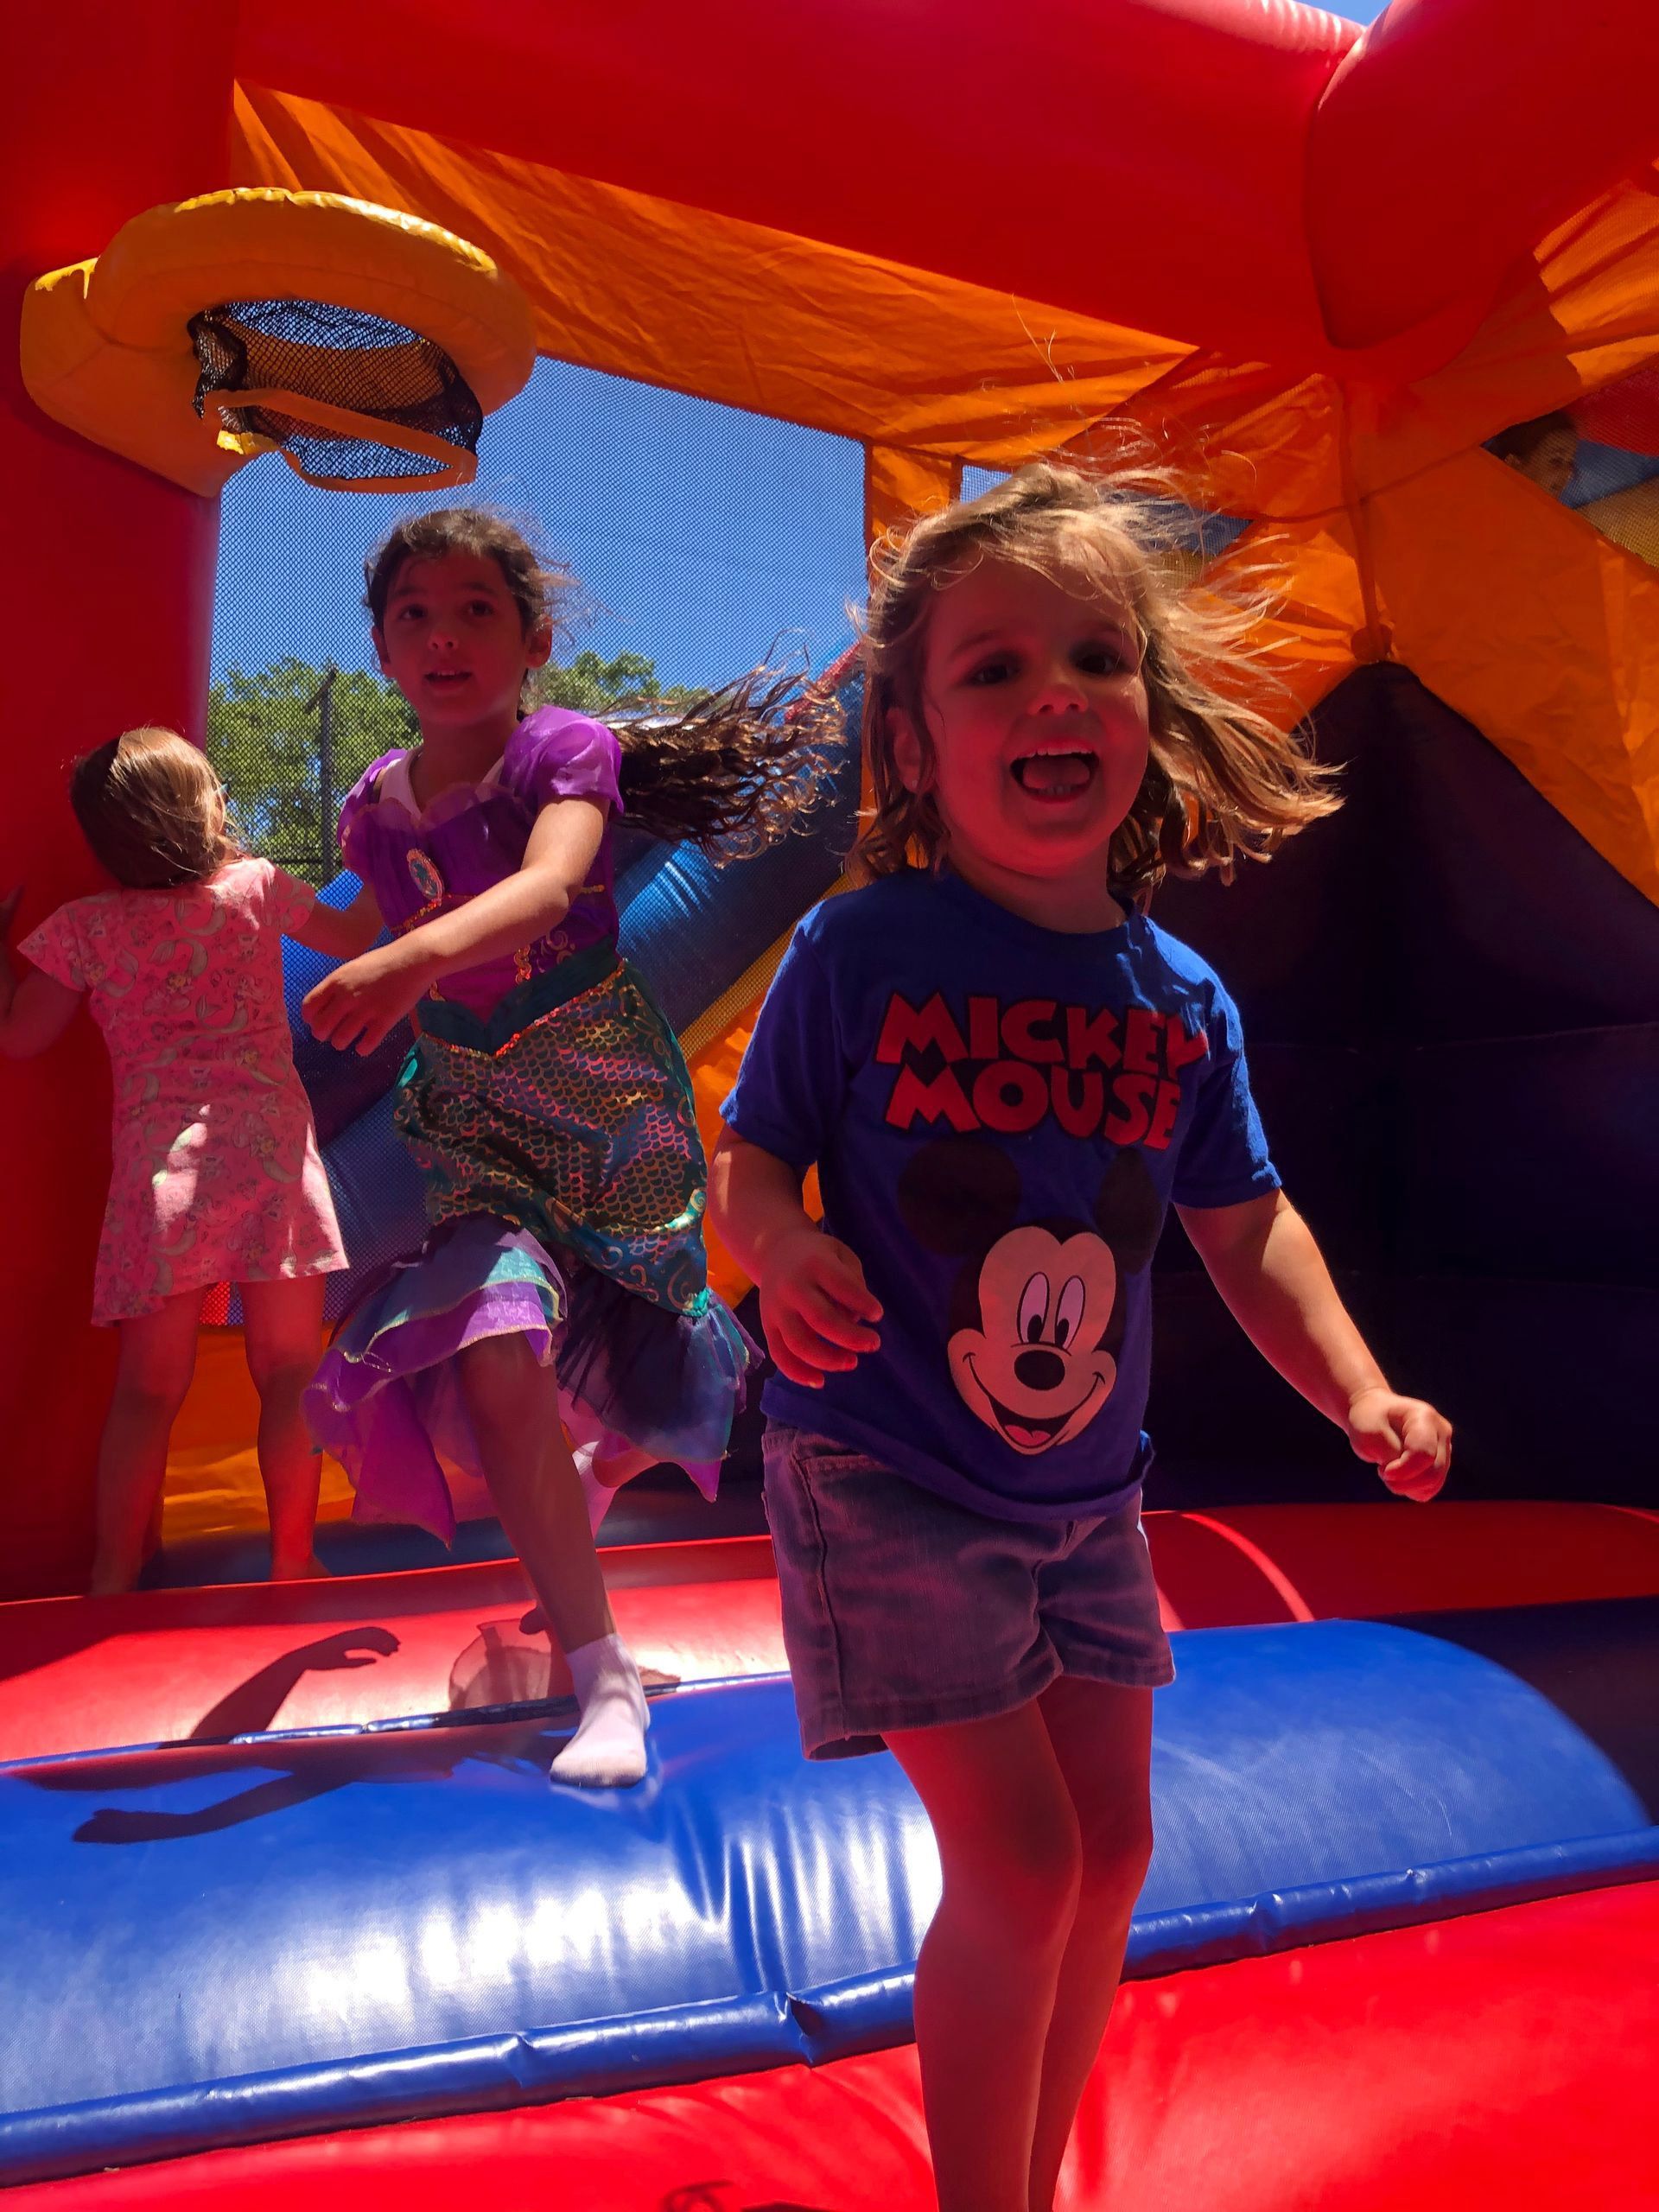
(386,1400)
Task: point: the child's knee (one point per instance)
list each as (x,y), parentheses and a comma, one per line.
(494,1364)
(153,1396)
(1025,1879)
(1117,1853)
(281,1377)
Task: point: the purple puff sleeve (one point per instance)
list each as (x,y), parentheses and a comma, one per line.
(555,754)
(356,804)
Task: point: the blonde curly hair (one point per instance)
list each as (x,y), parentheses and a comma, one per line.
(1223,780)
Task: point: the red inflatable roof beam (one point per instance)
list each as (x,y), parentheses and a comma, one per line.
(1457,132)
(1139,160)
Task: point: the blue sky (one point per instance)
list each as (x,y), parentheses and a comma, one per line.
(699,533)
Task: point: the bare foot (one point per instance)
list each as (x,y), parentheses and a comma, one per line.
(309,1569)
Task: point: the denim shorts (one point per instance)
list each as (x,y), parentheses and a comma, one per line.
(902,1610)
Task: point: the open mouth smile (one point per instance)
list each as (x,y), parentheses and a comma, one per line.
(1026,1428)
(1056,772)
(1031,1432)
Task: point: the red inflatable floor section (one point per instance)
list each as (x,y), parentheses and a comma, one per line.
(171,1665)
(77,1673)
(1501,2062)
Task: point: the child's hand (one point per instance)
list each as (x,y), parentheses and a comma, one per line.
(814,1305)
(1408,1441)
(363,1003)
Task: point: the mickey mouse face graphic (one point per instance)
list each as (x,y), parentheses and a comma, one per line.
(1036,1318)
(1033,1366)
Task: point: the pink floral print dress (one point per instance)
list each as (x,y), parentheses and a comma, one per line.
(216,1176)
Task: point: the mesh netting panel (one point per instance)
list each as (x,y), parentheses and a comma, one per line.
(1600,458)
(1623,417)
(1198,533)
(1615,480)
(369,368)
(707,540)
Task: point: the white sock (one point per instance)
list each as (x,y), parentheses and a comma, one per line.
(609,1749)
(598,1495)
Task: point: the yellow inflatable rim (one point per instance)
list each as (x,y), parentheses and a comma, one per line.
(106,347)
(262,243)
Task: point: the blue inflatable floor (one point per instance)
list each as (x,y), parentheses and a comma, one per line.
(209,1945)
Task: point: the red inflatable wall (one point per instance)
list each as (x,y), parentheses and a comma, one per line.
(108,579)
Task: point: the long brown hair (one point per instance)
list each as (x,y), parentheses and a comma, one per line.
(733,770)
(152,809)
(1223,780)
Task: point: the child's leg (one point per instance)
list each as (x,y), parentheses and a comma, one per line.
(622,1467)
(281,1329)
(157,1359)
(601,1477)
(1102,1739)
(514,1407)
(987,1978)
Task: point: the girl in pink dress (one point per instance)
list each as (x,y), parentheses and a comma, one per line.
(215,1174)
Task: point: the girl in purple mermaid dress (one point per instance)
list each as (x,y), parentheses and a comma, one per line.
(556,1332)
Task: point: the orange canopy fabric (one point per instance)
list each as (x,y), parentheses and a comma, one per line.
(1136,161)
(728,310)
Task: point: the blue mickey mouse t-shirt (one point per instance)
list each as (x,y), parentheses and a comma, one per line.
(1000,1115)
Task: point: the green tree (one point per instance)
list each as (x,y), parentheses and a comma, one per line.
(264,738)
(589,685)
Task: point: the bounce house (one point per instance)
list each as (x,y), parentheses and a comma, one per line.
(290,1905)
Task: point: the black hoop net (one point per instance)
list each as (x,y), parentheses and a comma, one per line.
(372,370)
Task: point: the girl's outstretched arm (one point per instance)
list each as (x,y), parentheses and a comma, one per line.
(341,932)
(361,1003)
(1262,1259)
(814,1308)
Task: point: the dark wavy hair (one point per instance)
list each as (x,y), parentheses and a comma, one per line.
(1222,781)
(733,770)
(1521,440)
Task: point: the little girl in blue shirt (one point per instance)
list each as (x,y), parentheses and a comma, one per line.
(1004,1073)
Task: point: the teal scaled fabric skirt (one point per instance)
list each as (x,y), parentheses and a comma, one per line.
(564,1183)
